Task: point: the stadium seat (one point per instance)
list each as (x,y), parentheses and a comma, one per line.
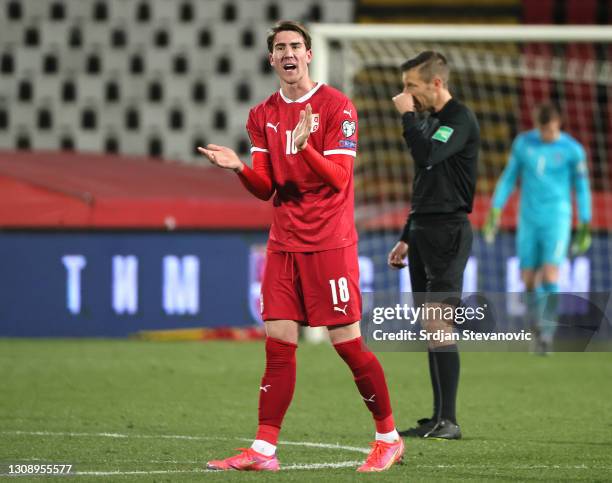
(66,142)
(89,119)
(230,12)
(44,119)
(538,12)
(112,91)
(111,144)
(100,11)
(143,11)
(199,91)
(74,37)
(247,38)
(25,90)
(155,91)
(224,65)
(181,63)
(204,37)
(136,64)
(22,140)
(93,63)
(50,63)
(4,119)
(161,38)
(31,36)
(186,11)
(219,120)
(68,91)
(176,119)
(155,146)
(581,11)
(132,119)
(57,11)
(273,12)
(14,10)
(118,37)
(7,63)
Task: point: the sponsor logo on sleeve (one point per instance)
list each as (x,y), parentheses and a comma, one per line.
(346,143)
(349,128)
(443,134)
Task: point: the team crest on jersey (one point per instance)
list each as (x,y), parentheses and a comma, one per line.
(257,264)
(315,123)
(349,128)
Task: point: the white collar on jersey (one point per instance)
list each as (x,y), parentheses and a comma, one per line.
(304,98)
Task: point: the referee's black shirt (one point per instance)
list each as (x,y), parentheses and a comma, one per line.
(444,146)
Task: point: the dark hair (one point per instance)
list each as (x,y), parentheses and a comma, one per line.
(546,112)
(430,64)
(288,26)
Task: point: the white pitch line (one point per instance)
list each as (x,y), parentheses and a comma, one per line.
(185,437)
(516,467)
(135,472)
(317,466)
(311,466)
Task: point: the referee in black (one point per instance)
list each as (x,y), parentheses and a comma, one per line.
(443,137)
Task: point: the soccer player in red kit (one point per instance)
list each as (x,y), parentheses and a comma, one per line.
(304,142)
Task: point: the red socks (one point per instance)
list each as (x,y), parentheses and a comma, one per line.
(276,390)
(278,383)
(370,380)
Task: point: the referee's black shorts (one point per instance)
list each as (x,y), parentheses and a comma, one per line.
(438,249)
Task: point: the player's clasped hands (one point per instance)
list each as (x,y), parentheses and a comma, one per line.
(397,256)
(221,156)
(301,132)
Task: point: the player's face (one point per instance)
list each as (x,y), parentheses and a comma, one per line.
(423,93)
(289,56)
(550,131)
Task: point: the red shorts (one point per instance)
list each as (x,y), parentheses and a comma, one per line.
(313,288)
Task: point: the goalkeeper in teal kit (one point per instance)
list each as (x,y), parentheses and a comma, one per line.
(549,164)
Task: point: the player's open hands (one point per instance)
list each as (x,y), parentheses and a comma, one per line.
(221,156)
(404,102)
(397,256)
(302,129)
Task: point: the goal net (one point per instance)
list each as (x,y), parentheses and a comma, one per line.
(500,72)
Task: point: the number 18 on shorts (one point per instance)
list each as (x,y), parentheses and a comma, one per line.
(314,288)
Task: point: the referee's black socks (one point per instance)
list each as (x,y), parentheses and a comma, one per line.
(444,372)
(435,385)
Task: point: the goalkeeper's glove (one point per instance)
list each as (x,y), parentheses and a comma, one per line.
(582,239)
(489,230)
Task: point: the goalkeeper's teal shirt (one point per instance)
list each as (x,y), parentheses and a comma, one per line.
(548,173)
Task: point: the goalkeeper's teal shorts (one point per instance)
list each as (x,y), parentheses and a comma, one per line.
(538,245)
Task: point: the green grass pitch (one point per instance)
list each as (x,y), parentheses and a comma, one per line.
(122,410)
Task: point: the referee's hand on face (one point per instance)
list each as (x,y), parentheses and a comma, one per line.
(404,102)
(397,256)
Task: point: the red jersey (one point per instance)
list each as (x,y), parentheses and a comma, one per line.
(309,214)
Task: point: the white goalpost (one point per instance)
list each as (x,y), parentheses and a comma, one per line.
(501,72)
